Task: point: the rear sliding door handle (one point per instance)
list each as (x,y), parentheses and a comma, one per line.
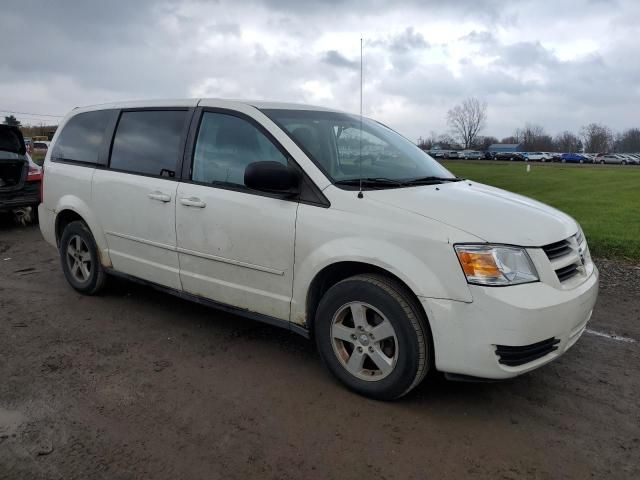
(159,196)
(192,202)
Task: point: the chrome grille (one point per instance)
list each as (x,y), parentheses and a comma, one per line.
(565,273)
(558,249)
(567,256)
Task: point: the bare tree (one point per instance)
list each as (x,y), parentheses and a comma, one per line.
(533,138)
(485,142)
(597,138)
(445,141)
(567,142)
(467,120)
(628,141)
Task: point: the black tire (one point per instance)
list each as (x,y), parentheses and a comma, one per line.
(34,214)
(601,162)
(623,162)
(96,277)
(414,346)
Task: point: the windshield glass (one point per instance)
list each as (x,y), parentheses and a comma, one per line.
(332,141)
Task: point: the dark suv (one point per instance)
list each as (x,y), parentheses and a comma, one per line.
(20,177)
(509,156)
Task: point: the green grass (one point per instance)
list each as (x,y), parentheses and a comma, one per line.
(38,158)
(604,199)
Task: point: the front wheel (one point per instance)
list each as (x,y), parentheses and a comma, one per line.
(80,259)
(372,335)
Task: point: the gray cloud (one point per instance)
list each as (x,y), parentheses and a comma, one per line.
(335,58)
(421,58)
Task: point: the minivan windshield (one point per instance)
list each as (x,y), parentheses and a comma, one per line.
(380,156)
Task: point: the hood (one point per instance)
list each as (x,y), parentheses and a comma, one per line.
(495,215)
(11,140)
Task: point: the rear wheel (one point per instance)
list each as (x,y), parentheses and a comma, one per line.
(80,259)
(373,336)
(623,162)
(602,162)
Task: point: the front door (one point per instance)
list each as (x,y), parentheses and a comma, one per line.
(235,245)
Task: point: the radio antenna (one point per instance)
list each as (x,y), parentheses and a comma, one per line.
(360,195)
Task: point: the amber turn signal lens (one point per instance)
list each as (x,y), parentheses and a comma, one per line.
(478,264)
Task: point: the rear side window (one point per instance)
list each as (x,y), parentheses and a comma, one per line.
(149,142)
(82,137)
(226,145)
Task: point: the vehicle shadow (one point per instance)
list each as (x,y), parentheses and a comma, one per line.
(234,328)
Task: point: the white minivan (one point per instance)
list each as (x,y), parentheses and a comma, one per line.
(333,227)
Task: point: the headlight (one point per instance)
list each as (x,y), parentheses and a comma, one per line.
(496,265)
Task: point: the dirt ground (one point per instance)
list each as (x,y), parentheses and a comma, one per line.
(138,384)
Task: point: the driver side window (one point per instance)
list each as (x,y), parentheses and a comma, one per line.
(225,146)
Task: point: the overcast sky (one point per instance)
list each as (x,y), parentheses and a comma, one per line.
(557,63)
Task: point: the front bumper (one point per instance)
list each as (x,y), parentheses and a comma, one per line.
(465,335)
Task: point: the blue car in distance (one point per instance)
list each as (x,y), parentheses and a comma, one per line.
(574,158)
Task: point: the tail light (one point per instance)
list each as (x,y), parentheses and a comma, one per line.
(42,184)
(34,174)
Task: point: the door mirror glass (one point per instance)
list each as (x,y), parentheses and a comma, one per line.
(271,177)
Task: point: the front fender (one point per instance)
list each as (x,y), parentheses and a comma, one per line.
(415,271)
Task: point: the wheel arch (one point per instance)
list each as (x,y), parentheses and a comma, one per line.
(71,208)
(340,270)
(64,218)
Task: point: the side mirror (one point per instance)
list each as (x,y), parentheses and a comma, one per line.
(271,177)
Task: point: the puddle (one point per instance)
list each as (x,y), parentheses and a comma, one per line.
(10,420)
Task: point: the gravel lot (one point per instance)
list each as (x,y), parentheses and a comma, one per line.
(138,384)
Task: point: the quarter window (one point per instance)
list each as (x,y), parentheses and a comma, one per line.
(226,144)
(148,142)
(82,137)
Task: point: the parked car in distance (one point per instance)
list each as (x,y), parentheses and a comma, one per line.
(535,156)
(509,156)
(629,159)
(572,158)
(40,147)
(20,177)
(489,155)
(472,154)
(401,268)
(451,154)
(611,158)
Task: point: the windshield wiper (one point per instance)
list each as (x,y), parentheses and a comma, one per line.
(370,182)
(431,180)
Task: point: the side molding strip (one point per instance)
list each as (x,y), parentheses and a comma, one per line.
(194,253)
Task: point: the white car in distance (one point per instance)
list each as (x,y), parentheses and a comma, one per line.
(536,157)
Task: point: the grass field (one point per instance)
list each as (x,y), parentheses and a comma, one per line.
(604,199)
(38,158)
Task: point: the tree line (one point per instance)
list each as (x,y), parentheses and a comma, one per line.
(467,120)
(30,130)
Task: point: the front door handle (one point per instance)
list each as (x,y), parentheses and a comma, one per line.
(159,196)
(192,202)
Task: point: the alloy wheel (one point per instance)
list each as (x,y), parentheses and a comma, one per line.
(364,341)
(79,259)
